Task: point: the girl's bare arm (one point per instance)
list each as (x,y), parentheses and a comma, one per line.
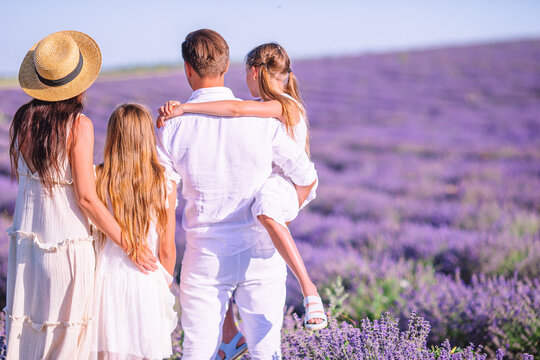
(270,108)
(167,246)
(84,183)
(235,108)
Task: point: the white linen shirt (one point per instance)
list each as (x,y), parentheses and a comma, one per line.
(222,162)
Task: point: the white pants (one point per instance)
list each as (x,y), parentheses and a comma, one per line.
(257,278)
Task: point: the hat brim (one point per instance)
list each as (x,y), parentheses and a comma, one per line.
(30,83)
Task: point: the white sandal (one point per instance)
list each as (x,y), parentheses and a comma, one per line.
(314,310)
(232,350)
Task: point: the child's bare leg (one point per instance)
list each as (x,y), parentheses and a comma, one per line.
(285,245)
(229,330)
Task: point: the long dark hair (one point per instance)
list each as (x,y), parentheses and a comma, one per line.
(39,133)
(272,61)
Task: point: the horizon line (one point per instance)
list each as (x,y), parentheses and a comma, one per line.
(115,72)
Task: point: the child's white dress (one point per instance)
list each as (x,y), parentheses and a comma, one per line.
(277,198)
(134,311)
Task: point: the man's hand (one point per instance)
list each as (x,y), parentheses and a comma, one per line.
(170,109)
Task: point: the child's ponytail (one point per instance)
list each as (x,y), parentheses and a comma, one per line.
(291,88)
(272,61)
(268,93)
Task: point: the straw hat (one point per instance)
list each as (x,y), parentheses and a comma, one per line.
(60,66)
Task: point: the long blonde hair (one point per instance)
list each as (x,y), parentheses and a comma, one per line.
(132,176)
(272,61)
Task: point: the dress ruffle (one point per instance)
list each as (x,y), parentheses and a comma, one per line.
(21,235)
(37,178)
(39,326)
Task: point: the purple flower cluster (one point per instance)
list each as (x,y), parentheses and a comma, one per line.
(497,312)
(378,339)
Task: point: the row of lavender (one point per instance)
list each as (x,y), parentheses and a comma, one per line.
(429,165)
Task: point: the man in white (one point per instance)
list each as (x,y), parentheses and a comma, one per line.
(222,162)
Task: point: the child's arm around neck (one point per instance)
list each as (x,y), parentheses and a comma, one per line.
(235,108)
(232,108)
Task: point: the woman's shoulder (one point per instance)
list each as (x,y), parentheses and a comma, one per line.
(82,127)
(83,120)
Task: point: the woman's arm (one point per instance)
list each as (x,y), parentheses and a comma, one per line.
(270,108)
(84,183)
(167,246)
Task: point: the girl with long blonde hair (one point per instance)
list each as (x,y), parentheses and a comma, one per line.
(270,78)
(133,184)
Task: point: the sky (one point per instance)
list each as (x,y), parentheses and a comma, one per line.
(143,32)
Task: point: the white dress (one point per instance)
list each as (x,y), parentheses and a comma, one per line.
(50,277)
(277,198)
(134,311)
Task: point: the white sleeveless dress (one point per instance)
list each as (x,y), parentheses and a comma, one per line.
(277,198)
(50,277)
(134,311)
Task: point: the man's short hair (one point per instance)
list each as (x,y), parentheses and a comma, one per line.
(207,52)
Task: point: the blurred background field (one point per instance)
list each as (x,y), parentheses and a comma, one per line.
(429,160)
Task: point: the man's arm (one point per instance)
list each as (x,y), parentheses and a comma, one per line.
(295,163)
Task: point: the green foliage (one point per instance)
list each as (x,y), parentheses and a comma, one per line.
(511,261)
(524,224)
(485,218)
(521,339)
(377,298)
(437,351)
(336,295)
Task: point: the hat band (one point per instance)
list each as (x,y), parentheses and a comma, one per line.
(66,79)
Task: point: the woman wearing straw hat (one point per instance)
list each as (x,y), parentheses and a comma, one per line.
(51,257)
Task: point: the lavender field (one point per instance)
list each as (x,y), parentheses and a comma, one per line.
(428,206)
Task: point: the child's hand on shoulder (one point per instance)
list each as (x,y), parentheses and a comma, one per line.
(171,109)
